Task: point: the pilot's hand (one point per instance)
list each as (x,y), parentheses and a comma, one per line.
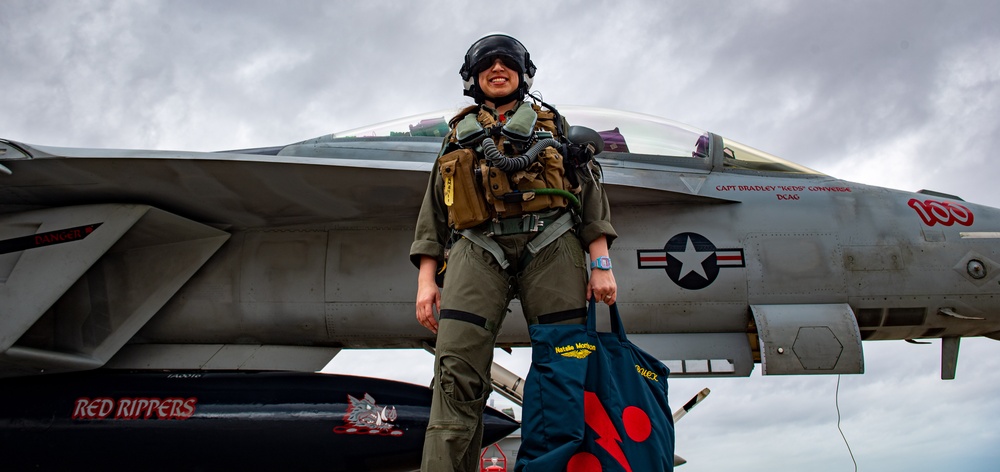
(602,286)
(428,294)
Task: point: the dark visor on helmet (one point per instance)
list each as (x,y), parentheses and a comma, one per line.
(487,62)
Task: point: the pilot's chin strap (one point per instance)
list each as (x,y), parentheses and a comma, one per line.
(548,235)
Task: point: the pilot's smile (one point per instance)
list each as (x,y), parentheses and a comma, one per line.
(498,80)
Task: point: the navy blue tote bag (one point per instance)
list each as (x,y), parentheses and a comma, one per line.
(594,402)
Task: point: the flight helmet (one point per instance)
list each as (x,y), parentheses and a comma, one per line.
(481,55)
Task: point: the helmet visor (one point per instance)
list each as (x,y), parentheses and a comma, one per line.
(487,62)
(482,54)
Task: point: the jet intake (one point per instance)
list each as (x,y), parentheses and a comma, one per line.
(76,283)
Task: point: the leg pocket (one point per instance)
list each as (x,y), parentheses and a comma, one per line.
(475,283)
(556,280)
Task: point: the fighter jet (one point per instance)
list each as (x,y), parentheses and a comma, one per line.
(276,258)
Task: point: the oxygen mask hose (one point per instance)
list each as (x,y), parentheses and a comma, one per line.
(559,193)
(513,164)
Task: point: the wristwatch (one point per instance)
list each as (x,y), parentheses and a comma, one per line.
(603,263)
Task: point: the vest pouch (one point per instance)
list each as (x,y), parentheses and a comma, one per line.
(497,184)
(551,177)
(466,206)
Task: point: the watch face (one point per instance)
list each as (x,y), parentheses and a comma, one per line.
(601,263)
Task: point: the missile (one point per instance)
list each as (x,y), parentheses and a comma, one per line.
(142,420)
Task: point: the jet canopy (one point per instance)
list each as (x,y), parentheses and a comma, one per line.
(636,137)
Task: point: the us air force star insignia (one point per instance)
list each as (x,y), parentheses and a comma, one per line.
(691,260)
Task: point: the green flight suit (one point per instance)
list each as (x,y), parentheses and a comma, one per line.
(477,291)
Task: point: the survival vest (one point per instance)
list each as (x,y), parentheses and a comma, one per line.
(477,190)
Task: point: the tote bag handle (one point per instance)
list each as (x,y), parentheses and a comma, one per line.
(616,320)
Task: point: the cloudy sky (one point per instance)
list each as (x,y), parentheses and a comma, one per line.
(902,94)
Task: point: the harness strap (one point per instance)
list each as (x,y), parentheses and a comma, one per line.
(488,244)
(549,234)
(562,316)
(467,317)
(527,223)
(546,236)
